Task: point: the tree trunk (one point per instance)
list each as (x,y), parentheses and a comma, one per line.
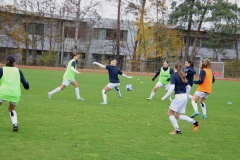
(118,32)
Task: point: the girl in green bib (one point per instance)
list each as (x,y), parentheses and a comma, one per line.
(164,79)
(10,78)
(68,78)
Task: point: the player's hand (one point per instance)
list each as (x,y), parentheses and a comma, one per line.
(79,73)
(153,79)
(130,76)
(94,62)
(168,79)
(162,99)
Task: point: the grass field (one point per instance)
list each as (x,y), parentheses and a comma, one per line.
(130,128)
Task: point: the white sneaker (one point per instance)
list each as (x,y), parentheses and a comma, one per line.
(80,98)
(120,95)
(103,103)
(49,95)
(148,98)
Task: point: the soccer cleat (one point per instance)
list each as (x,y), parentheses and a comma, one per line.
(195,114)
(176,132)
(103,103)
(148,98)
(80,98)
(120,95)
(49,95)
(15,127)
(196,124)
(204,116)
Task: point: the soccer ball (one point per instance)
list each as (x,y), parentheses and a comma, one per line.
(129,87)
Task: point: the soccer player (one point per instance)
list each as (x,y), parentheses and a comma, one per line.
(189,72)
(164,78)
(68,78)
(113,72)
(177,107)
(10,88)
(206,79)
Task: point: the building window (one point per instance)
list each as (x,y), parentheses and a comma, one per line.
(34,28)
(69,32)
(109,34)
(123,35)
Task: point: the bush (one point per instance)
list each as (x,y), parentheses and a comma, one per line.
(232,68)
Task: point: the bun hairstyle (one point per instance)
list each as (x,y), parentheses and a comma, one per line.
(114,62)
(178,67)
(190,62)
(10,60)
(206,63)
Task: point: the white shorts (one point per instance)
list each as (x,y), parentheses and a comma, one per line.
(66,82)
(159,84)
(201,94)
(13,103)
(179,103)
(113,85)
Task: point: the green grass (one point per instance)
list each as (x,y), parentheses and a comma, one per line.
(130,128)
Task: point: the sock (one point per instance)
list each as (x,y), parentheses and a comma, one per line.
(55,90)
(13,116)
(186,118)
(118,90)
(104,95)
(204,109)
(174,122)
(77,92)
(190,96)
(152,94)
(195,107)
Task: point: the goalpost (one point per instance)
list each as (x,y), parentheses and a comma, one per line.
(217,68)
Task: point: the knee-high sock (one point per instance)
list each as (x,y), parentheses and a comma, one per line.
(118,91)
(13,116)
(204,108)
(77,92)
(174,122)
(186,118)
(195,107)
(152,94)
(104,95)
(55,90)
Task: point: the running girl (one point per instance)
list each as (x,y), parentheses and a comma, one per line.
(10,88)
(178,105)
(206,79)
(68,78)
(164,78)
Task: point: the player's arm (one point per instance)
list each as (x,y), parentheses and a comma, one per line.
(99,64)
(1,73)
(73,67)
(124,75)
(190,71)
(23,81)
(201,77)
(171,88)
(156,74)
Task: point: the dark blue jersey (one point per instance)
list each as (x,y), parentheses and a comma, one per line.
(180,87)
(113,72)
(159,70)
(190,75)
(22,78)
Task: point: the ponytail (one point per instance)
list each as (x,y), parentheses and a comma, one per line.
(178,67)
